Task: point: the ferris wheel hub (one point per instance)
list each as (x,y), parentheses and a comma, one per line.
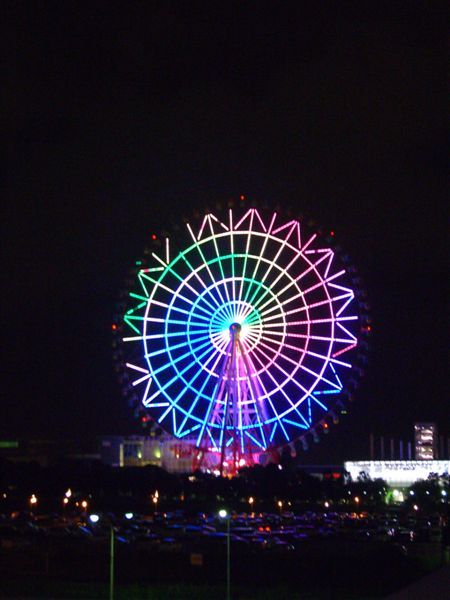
(235,328)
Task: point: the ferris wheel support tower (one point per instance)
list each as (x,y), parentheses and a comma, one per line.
(236,406)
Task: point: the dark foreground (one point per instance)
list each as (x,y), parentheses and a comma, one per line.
(180,557)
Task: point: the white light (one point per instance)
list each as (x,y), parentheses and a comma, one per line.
(94,518)
(129,515)
(411,492)
(415,507)
(443,493)
(222,513)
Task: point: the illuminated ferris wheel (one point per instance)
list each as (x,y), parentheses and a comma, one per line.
(244,337)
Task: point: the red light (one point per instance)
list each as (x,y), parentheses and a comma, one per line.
(154,236)
(325,425)
(242,197)
(113,326)
(369,328)
(332,233)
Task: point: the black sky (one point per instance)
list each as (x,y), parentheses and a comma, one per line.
(121,117)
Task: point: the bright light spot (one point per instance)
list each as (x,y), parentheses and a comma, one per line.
(129,515)
(66,501)
(415,507)
(94,518)
(326,504)
(68,493)
(242,462)
(84,504)
(443,493)
(222,513)
(280,504)
(411,492)
(280,468)
(251,500)
(356,499)
(33,499)
(396,493)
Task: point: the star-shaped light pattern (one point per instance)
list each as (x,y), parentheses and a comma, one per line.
(280,370)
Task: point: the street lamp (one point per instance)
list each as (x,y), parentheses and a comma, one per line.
(224,515)
(65,502)
(33,501)
(251,501)
(155,500)
(94,518)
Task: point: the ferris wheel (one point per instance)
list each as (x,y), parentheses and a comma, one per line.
(245,336)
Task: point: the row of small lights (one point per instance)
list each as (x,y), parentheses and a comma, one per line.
(398,495)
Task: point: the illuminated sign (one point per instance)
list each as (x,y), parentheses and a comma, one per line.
(397,472)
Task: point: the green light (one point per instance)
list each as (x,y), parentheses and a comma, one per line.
(8,444)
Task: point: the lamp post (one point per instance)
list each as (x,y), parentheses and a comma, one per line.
(111,564)
(95,519)
(224,515)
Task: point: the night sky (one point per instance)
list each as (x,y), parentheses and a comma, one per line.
(119,118)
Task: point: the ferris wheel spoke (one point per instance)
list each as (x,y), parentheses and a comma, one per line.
(205,262)
(308,307)
(301,366)
(175,294)
(282,273)
(281,389)
(208,290)
(274,261)
(246,255)
(176,401)
(324,283)
(184,282)
(315,354)
(294,281)
(269,399)
(233,274)
(217,355)
(253,393)
(173,362)
(219,261)
(260,256)
(319,377)
(314,321)
(179,374)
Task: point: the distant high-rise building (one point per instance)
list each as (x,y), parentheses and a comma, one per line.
(425,441)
